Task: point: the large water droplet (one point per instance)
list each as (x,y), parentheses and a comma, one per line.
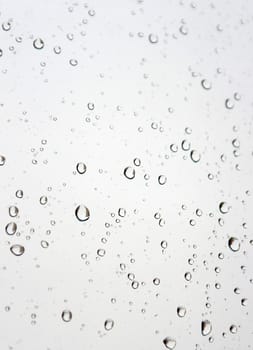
(170,343)
(234,244)
(108,324)
(82,213)
(129,172)
(17,249)
(206,327)
(66,315)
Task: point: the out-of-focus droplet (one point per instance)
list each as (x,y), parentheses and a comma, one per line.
(234,244)
(66,315)
(153,38)
(162,179)
(181,311)
(183,29)
(38,43)
(2,160)
(122,212)
(13,211)
(57,50)
(43,200)
(73,62)
(11,228)
(233,329)
(6,26)
(108,325)
(129,173)
(206,327)
(81,168)
(229,104)
(224,207)
(82,213)
(17,249)
(195,156)
(169,343)
(91,106)
(206,84)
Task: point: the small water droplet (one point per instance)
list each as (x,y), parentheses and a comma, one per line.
(195,156)
(66,315)
(122,212)
(43,200)
(13,211)
(181,311)
(206,84)
(153,38)
(11,228)
(19,194)
(82,213)
(233,329)
(224,207)
(162,179)
(229,104)
(2,160)
(81,168)
(38,43)
(129,173)
(183,30)
(6,26)
(108,325)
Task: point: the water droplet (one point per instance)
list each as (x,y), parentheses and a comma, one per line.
(73,62)
(186,145)
(122,212)
(17,249)
(162,179)
(169,343)
(19,194)
(229,104)
(188,276)
(13,211)
(237,96)
(43,200)
(195,156)
(156,281)
(38,44)
(233,329)
(224,207)
(101,252)
(82,213)
(2,160)
(81,168)
(129,173)
(153,38)
(44,244)
(183,30)
(66,315)
(206,84)
(6,26)
(11,228)
(57,50)
(91,106)
(181,311)
(108,325)
(206,327)
(137,162)
(234,244)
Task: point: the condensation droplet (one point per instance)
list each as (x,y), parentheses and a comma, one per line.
(169,343)
(195,156)
(11,228)
(43,200)
(229,104)
(224,207)
(38,43)
(153,38)
(66,315)
(108,325)
(17,249)
(162,179)
(234,244)
(2,160)
(13,211)
(81,168)
(82,213)
(181,311)
(206,327)
(206,84)
(129,173)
